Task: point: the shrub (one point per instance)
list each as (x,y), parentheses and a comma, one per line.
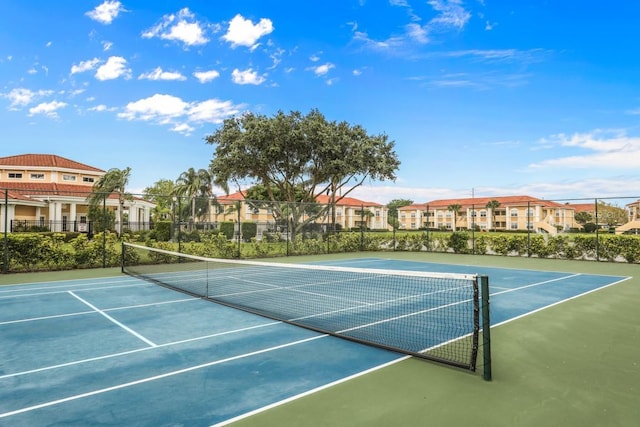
(459,242)
(249,231)
(227,228)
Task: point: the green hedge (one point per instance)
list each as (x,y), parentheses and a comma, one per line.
(64,251)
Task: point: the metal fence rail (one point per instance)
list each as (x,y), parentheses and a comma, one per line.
(253,228)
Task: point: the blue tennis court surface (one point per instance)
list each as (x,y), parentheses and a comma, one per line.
(122,351)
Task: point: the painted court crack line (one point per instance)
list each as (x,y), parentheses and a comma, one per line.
(123,326)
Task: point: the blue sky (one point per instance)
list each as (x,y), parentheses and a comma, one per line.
(480,96)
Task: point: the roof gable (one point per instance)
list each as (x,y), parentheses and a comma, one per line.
(47,161)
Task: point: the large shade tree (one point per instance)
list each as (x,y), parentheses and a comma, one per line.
(298,157)
(114,181)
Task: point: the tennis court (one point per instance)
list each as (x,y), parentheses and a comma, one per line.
(123,351)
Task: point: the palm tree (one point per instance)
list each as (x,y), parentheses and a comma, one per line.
(455,208)
(114,181)
(191,184)
(492,205)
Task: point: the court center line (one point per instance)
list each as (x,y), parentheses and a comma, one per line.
(519,288)
(80,313)
(62,291)
(123,326)
(157,377)
(139,350)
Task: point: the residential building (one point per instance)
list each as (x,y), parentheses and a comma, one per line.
(633,225)
(49,192)
(348,212)
(509,213)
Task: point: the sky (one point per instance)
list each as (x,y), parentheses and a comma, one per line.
(481,97)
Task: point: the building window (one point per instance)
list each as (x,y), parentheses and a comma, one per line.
(514,225)
(413,225)
(413,214)
(68,177)
(87,179)
(483,214)
(339,212)
(377,214)
(14,175)
(37,176)
(514,212)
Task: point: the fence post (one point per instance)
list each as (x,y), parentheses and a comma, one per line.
(104,231)
(362,225)
(529,229)
(597,230)
(5,267)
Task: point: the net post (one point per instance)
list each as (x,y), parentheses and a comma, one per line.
(122,257)
(486,328)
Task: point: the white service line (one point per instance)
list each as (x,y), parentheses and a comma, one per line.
(157,377)
(125,327)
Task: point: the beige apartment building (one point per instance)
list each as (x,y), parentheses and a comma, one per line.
(50,192)
(489,213)
(349,212)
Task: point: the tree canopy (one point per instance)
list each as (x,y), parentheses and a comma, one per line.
(287,153)
(295,158)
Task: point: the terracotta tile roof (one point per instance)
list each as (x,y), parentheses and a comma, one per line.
(345,201)
(43,188)
(322,199)
(479,202)
(45,160)
(583,207)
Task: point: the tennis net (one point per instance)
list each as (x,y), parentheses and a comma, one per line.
(429,315)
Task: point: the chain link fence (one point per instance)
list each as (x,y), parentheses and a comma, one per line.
(62,230)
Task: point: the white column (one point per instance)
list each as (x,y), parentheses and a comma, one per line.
(72,212)
(11,214)
(55,215)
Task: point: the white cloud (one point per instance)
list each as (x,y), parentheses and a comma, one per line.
(183,128)
(242,32)
(177,113)
(323,69)
(212,111)
(246,77)
(106,12)
(595,150)
(21,97)
(417,33)
(182,27)
(49,44)
(115,67)
(157,107)
(160,74)
(85,66)
(98,108)
(206,76)
(106,46)
(452,14)
(49,109)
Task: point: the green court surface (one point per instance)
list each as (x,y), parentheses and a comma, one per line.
(573,364)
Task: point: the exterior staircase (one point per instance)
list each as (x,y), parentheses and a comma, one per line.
(628,226)
(552,230)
